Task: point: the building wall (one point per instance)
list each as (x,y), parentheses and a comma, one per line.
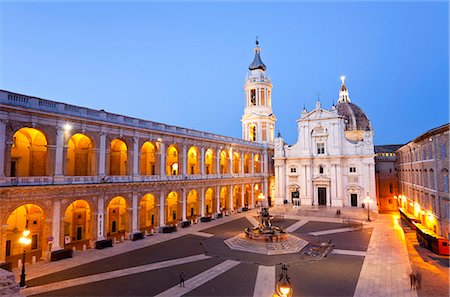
(386,179)
(423,166)
(39,195)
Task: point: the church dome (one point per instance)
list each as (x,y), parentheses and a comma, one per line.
(355,118)
(356,121)
(257,62)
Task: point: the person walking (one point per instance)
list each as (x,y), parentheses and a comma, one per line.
(418,278)
(182,278)
(412,278)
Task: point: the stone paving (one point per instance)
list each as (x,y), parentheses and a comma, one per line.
(384,272)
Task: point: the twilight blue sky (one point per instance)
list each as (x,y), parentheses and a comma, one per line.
(183,63)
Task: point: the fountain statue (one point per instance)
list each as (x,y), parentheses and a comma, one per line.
(265,230)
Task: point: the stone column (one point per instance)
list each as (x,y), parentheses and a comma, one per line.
(135,156)
(202,161)
(162,202)
(231,162)
(162,163)
(56,225)
(242,195)
(184,159)
(2,147)
(218,161)
(101,217)
(183,197)
(231,197)
(242,162)
(218,199)
(265,163)
(252,194)
(134,214)
(59,152)
(102,155)
(253,164)
(202,197)
(339,184)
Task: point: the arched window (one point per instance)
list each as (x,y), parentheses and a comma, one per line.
(118,158)
(432,179)
(252,132)
(445,180)
(28,153)
(79,156)
(320,169)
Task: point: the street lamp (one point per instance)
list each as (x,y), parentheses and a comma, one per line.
(284,288)
(367,201)
(261,198)
(24,240)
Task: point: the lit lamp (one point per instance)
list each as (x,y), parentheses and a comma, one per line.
(367,201)
(284,288)
(24,240)
(261,198)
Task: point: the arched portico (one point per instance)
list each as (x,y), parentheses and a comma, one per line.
(78,225)
(80,156)
(28,153)
(118,218)
(148,213)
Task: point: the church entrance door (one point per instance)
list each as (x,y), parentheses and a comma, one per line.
(354,199)
(322,194)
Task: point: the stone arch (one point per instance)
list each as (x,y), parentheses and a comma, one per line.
(118,218)
(172,160)
(80,156)
(257,163)
(148,213)
(210,161)
(148,160)
(192,205)
(236,162)
(172,208)
(209,201)
(224,168)
(223,198)
(237,197)
(29,153)
(247,163)
(25,216)
(247,195)
(193,162)
(118,157)
(78,224)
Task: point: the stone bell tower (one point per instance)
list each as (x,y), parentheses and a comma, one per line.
(258,120)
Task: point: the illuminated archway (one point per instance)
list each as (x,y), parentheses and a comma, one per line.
(223,198)
(118,158)
(31,217)
(247,163)
(192,160)
(28,153)
(209,162)
(209,198)
(148,159)
(77,224)
(247,195)
(236,162)
(172,163)
(224,162)
(148,213)
(192,208)
(118,218)
(79,156)
(237,198)
(257,163)
(173,214)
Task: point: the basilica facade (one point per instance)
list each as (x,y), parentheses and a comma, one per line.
(332,162)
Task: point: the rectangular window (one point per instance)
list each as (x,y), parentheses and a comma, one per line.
(443,151)
(352,169)
(424,153)
(252,97)
(391,188)
(432,179)
(446,183)
(320,148)
(262,97)
(430,153)
(446,210)
(293,170)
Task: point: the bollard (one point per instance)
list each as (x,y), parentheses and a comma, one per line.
(123,238)
(115,240)
(74,249)
(152,231)
(19,263)
(33,259)
(84,247)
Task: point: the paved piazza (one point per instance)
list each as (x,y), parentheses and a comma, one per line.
(370,261)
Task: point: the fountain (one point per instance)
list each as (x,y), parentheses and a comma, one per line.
(265,231)
(266,238)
